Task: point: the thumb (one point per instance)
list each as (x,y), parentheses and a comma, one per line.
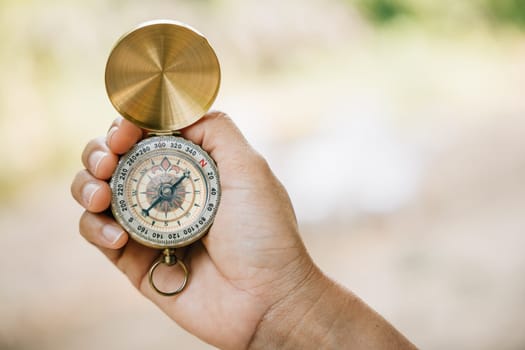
(218,135)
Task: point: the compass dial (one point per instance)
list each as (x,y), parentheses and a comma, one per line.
(165,192)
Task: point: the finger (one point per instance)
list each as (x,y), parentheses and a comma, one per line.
(220,137)
(98,159)
(91,193)
(102,230)
(196,300)
(133,259)
(166,278)
(122,135)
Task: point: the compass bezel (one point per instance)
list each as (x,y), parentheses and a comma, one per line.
(120,185)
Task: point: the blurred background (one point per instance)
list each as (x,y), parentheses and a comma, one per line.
(396,125)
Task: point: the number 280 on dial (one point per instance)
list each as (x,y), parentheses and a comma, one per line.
(166,192)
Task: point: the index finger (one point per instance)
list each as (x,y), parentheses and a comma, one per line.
(122,135)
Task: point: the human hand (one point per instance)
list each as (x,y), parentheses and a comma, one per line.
(251,258)
(253,284)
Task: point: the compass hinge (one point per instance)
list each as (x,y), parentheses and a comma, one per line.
(164,133)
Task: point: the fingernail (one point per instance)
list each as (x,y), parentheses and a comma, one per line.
(95,159)
(88,192)
(112,233)
(111,132)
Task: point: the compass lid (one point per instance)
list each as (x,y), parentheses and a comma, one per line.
(162,75)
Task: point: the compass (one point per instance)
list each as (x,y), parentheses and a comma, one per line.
(163,76)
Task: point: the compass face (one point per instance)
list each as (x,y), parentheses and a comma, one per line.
(166,192)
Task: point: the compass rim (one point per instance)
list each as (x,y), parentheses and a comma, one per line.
(119,215)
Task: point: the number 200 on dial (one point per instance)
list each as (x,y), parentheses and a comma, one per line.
(166,192)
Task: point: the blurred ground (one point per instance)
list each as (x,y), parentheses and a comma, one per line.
(423,117)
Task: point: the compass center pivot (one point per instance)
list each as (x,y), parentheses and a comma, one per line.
(166,191)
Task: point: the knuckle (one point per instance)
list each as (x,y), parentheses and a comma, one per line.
(252,165)
(216,114)
(219,117)
(260,164)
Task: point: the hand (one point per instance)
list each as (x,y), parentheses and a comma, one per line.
(253,283)
(251,257)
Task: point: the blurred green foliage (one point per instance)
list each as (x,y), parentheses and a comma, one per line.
(496,12)
(384,11)
(507,11)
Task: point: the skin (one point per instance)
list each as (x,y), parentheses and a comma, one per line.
(253,284)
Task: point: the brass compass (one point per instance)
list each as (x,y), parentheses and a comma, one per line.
(163,76)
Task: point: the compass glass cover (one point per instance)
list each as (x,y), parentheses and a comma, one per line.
(166,192)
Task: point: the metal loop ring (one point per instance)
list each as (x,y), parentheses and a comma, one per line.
(162,261)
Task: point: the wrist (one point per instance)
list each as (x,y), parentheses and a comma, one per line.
(321,314)
(304,317)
